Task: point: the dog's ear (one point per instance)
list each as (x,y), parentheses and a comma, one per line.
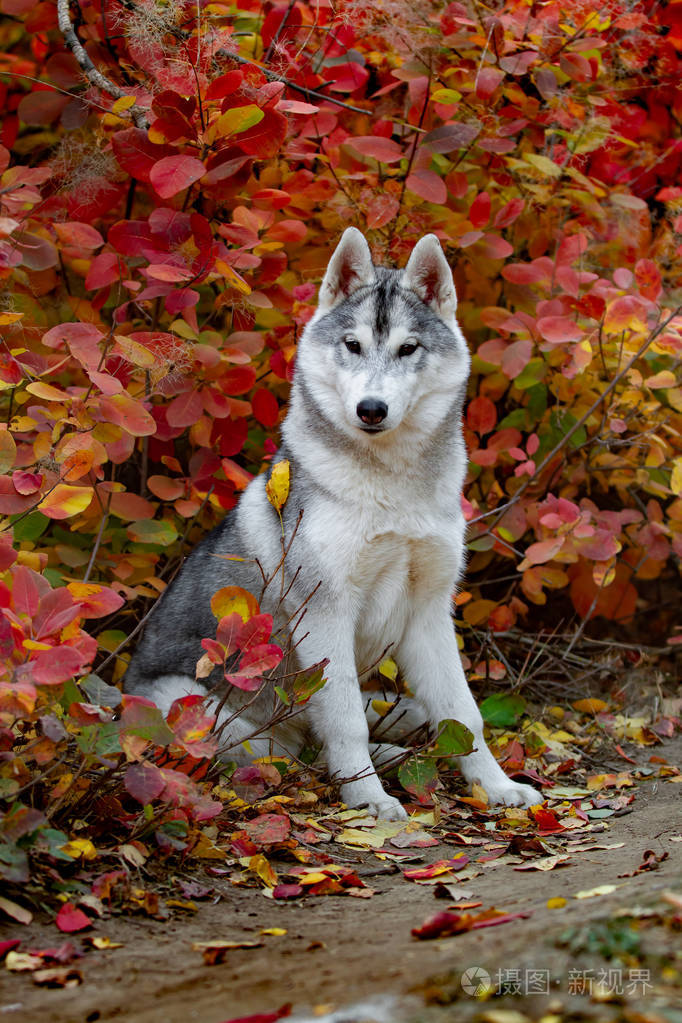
(427,273)
(349,269)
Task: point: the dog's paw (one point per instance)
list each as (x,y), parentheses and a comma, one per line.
(512,793)
(378,804)
(387,809)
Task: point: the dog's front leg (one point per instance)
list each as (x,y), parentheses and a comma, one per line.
(337,716)
(429,657)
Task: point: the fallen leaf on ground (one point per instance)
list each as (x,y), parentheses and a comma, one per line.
(20,962)
(214,952)
(546,863)
(602,889)
(101,942)
(70,919)
(650,861)
(17,912)
(58,976)
(445,924)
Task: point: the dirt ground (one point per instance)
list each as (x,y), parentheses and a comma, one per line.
(338,952)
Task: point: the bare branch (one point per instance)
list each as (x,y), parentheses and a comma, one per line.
(94,76)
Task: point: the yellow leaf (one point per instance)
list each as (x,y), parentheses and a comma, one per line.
(259,865)
(80,847)
(234,600)
(234,121)
(8,451)
(602,889)
(103,942)
(134,352)
(275,931)
(676,477)
(123,103)
(6,318)
(590,706)
(35,644)
(661,380)
(382,707)
(556,903)
(46,391)
(544,164)
(232,277)
(277,487)
(389,668)
(65,501)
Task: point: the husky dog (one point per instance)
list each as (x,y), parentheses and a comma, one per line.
(374,439)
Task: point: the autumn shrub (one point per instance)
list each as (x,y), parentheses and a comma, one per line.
(171,189)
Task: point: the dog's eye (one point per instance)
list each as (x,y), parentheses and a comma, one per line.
(352,345)
(409,348)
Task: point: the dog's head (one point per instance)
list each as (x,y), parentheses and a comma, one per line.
(383,348)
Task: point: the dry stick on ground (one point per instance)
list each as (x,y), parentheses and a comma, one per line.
(499,512)
(94,76)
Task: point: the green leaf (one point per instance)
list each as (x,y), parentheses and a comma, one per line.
(531,375)
(454,739)
(283,695)
(418,776)
(502,709)
(153,531)
(30,528)
(307,684)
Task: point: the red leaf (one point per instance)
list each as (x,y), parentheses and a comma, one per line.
(381,209)
(144,782)
(451,136)
(487,81)
(7,946)
(508,214)
(481,415)
(516,357)
(428,186)
(95,600)
(56,611)
(266,1017)
(70,919)
(52,667)
(527,273)
(27,589)
(265,407)
(26,482)
(479,212)
(264,140)
(268,829)
(173,174)
(225,85)
(128,413)
(543,551)
(378,147)
(83,236)
(256,631)
(559,329)
(186,409)
(284,891)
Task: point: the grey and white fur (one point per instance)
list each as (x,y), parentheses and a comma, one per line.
(374,439)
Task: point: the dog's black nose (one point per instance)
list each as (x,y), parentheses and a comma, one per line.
(372,411)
